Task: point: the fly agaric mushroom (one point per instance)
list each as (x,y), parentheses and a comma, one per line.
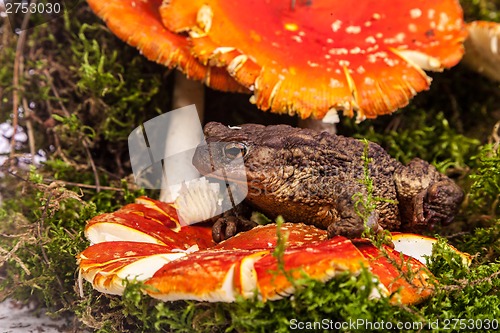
(482,49)
(138,23)
(323,56)
(141,241)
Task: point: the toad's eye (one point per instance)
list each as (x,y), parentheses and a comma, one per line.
(233,150)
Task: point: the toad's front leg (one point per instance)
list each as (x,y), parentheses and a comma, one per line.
(353,217)
(230,223)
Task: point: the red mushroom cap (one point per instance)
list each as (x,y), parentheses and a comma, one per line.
(326,55)
(185,264)
(406,279)
(138,23)
(149,221)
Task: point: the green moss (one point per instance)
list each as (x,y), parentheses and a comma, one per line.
(425,135)
(463,292)
(484,193)
(487,10)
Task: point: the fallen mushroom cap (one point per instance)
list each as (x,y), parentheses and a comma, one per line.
(142,241)
(326,55)
(483,48)
(138,24)
(148,221)
(420,247)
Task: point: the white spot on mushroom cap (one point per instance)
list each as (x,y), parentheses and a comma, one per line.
(431,13)
(391,62)
(372,58)
(204,18)
(370,39)
(355,50)
(415,13)
(338,51)
(353,29)
(369,81)
(334,83)
(343,62)
(398,39)
(336,25)
(443,21)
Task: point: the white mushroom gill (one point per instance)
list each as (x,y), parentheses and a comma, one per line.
(198,200)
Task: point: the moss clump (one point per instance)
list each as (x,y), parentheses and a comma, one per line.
(487,10)
(485,189)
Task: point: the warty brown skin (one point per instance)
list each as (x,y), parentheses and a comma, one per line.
(316,178)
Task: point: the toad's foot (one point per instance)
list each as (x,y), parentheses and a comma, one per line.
(228,226)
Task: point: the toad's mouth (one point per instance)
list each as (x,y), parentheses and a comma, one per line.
(227,177)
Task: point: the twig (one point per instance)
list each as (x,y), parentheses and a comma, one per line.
(29,128)
(495,135)
(11,254)
(5,39)
(15,80)
(105,188)
(467,283)
(15,90)
(56,93)
(92,165)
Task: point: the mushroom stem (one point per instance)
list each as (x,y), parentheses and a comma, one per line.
(186,92)
(318,125)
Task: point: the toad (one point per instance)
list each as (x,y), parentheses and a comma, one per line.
(317,178)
